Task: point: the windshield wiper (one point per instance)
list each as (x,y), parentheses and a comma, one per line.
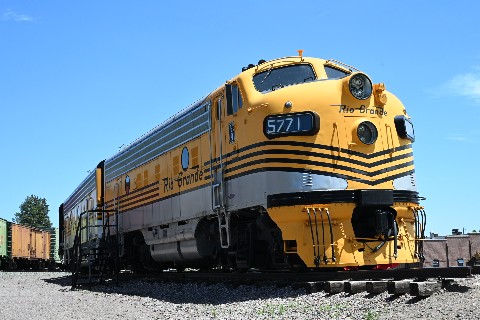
(267,75)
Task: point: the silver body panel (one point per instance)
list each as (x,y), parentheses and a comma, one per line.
(169,226)
(406,183)
(243,192)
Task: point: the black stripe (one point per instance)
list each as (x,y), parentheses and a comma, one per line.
(161,198)
(133,194)
(312,146)
(318,164)
(127,205)
(338,196)
(324,173)
(128,199)
(312,154)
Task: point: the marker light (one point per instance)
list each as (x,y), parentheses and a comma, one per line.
(404,128)
(360,86)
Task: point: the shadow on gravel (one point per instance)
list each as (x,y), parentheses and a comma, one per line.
(188,292)
(208,293)
(415,300)
(393,297)
(371,295)
(65,281)
(455,287)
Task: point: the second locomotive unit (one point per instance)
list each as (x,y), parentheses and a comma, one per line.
(294,163)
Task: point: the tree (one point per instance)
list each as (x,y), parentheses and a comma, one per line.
(33,212)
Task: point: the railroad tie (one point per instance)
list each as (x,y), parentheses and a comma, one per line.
(425,288)
(353,287)
(399,287)
(316,286)
(333,287)
(376,287)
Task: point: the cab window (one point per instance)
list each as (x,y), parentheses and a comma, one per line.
(334,73)
(274,79)
(237,101)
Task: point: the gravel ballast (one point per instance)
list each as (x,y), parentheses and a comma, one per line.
(47,295)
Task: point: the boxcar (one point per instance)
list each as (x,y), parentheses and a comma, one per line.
(24,247)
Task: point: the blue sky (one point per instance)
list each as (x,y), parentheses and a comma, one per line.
(79,79)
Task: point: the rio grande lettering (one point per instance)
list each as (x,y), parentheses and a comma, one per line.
(362,110)
(182,180)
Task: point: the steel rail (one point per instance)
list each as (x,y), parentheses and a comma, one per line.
(292,278)
(396,274)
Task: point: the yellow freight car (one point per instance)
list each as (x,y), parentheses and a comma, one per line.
(30,246)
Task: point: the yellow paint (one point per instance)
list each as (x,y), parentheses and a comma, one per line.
(295,225)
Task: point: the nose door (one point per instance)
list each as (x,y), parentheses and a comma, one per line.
(225,118)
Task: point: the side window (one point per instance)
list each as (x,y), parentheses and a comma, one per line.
(236,100)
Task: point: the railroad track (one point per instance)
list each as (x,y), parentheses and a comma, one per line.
(419,282)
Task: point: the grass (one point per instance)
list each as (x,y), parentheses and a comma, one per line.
(370,315)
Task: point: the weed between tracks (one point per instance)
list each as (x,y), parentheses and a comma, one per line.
(370,315)
(274,309)
(279,309)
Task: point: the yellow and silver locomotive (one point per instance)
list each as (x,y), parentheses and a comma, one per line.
(295,162)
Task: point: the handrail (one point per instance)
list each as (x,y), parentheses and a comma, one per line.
(91,250)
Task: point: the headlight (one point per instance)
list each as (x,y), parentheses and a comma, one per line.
(360,86)
(404,128)
(367,132)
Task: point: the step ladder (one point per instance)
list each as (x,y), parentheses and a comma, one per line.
(94,258)
(224,227)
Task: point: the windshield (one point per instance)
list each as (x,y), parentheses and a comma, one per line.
(334,73)
(277,78)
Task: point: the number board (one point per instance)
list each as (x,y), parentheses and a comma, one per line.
(291,124)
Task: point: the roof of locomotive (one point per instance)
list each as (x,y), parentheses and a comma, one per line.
(158,128)
(89,179)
